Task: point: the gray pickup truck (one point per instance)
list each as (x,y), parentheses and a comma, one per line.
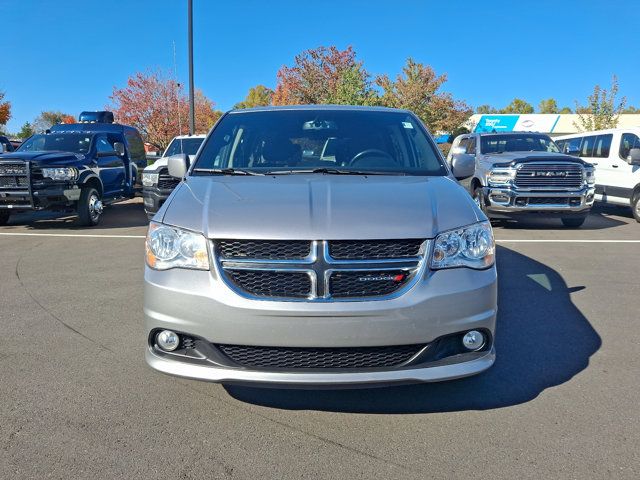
(319,245)
(521,174)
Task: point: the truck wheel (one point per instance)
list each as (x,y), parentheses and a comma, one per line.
(89,207)
(573,222)
(635,207)
(479,199)
(4,217)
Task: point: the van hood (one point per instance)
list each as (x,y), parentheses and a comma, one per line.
(319,207)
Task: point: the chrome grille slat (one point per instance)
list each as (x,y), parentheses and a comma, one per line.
(306,270)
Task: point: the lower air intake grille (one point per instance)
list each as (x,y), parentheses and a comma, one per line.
(373,249)
(366,284)
(310,358)
(266,283)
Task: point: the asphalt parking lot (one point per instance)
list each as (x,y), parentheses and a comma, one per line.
(78,401)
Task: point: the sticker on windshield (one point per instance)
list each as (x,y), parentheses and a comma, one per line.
(407,124)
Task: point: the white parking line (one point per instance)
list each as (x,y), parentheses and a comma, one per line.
(504,240)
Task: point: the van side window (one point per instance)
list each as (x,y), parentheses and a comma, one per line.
(560,144)
(573,145)
(628,141)
(586,149)
(602,146)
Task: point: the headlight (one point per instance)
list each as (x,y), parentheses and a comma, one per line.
(590,176)
(150,179)
(471,246)
(171,247)
(64,174)
(501,176)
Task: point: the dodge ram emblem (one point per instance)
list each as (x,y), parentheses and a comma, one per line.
(547,173)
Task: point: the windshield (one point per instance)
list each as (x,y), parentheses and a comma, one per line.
(183,145)
(517,143)
(290,141)
(61,142)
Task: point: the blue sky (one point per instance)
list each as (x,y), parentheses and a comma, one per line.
(69,54)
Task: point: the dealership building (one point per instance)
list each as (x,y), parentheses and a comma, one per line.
(549,123)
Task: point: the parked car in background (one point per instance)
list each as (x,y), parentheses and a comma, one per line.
(319,245)
(75,167)
(6,145)
(156,181)
(521,174)
(615,153)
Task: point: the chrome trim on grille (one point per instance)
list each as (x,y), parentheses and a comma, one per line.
(319,265)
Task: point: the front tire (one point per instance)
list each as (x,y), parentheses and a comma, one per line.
(635,207)
(4,217)
(89,207)
(572,222)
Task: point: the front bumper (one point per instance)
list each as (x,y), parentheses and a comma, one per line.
(41,198)
(505,202)
(442,303)
(153,199)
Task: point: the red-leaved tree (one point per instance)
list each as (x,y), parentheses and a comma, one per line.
(158,107)
(5,110)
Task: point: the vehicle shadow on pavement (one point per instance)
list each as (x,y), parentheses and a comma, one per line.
(542,341)
(600,218)
(120,215)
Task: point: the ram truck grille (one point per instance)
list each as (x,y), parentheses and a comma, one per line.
(14,175)
(310,271)
(166,181)
(549,175)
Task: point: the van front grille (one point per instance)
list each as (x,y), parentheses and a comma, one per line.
(307,270)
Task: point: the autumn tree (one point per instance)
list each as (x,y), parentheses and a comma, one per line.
(418,88)
(518,105)
(5,110)
(485,109)
(324,75)
(158,107)
(602,111)
(26,131)
(258,96)
(565,110)
(49,118)
(631,110)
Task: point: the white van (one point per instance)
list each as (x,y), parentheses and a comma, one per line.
(616,155)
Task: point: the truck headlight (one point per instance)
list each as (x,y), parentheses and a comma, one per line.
(170,247)
(471,246)
(501,176)
(150,179)
(590,176)
(63,173)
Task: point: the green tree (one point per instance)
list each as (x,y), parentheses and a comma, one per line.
(418,88)
(518,105)
(484,109)
(631,109)
(565,110)
(258,96)
(602,111)
(26,131)
(548,106)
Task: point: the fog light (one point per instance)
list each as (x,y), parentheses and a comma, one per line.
(473,340)
(168,340)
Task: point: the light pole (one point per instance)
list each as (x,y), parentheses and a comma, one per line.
(192,113)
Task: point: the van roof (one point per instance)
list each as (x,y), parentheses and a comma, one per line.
(635,130)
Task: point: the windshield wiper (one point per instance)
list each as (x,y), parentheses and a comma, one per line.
(332,171)
(225,171)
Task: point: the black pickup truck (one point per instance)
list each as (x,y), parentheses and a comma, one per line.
(73,167)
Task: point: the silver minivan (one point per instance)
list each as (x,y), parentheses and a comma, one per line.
(320,246)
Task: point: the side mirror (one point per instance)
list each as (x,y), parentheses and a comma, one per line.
(463,166)
(178,165)
(634,156)
(119,148)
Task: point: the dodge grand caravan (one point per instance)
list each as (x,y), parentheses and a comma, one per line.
(320,246)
